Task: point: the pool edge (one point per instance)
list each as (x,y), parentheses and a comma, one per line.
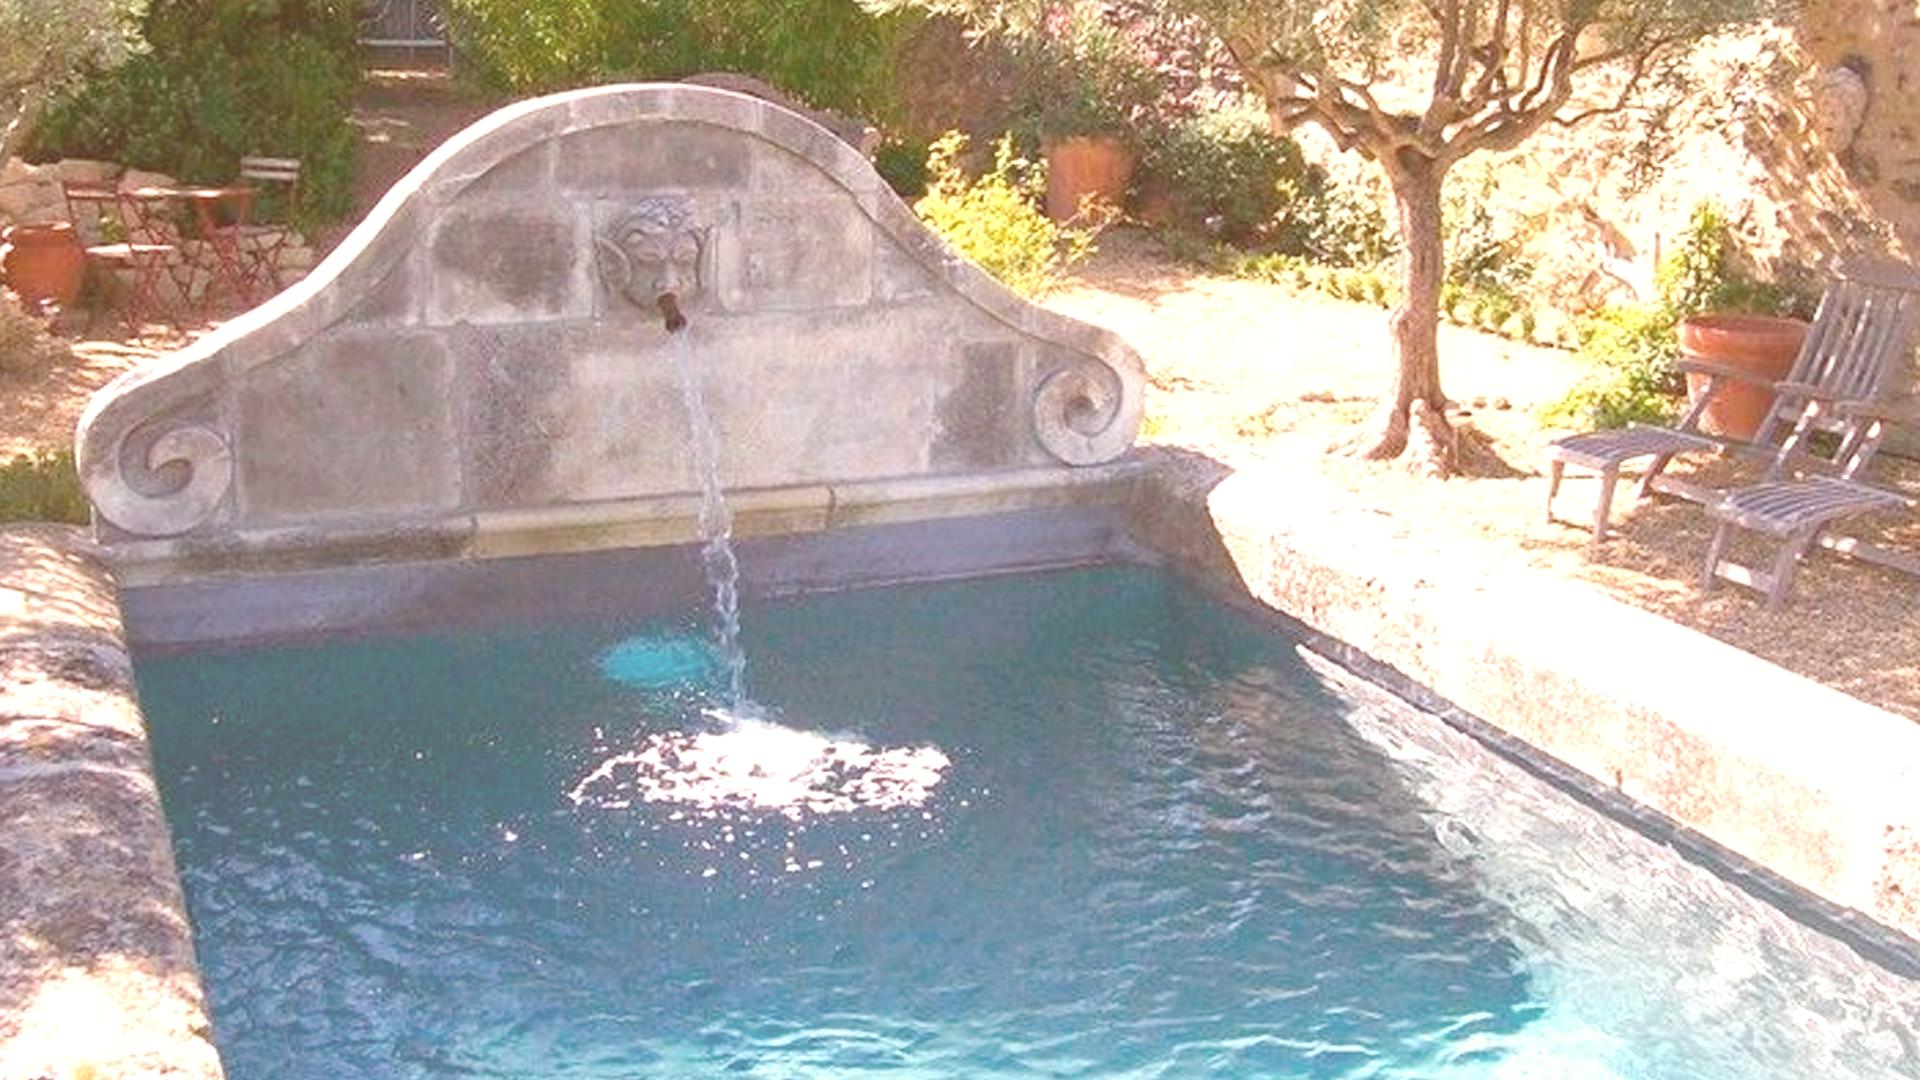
(1792,790)
(97,970)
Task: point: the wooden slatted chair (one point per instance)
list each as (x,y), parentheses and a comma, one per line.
(1861,336)
(1797,510)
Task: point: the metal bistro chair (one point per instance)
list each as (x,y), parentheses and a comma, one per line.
(264,244)
(1860,338)
(123,234)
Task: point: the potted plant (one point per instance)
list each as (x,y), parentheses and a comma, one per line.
(44,264)
(1763,345)
(1083,90)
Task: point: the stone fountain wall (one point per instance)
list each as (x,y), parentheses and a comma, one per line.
(481,359)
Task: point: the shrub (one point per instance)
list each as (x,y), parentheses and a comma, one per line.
(25,344)
(1340,225)
(1486,256)
(903,165)
(219,81)
(1224,170)
(42,487)
(831,54)
(44,44)
(995,219)
(1632,347)
(1080,74)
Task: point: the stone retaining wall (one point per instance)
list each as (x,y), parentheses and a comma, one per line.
(1801,780)
(97,974)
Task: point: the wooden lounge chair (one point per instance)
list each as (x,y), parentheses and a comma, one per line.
(1797,510)
(1861,336)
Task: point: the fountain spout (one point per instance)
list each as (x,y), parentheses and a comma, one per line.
(670,314)
(651,258)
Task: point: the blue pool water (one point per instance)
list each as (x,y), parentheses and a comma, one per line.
(1164,843)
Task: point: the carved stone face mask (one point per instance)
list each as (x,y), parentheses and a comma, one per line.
(653,251)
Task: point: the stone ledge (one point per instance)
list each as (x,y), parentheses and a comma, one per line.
(1795,778)
(97,975)
(616,524)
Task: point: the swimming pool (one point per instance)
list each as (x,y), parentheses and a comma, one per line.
(1162,842)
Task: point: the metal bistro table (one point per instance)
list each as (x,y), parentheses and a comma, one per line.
(217,212)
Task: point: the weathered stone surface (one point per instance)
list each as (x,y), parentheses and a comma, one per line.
(97,974)
(975,429)
(353,426)
(509,263)
(491,343)
(795,255)
(135,179)
(652,156)
(1803,780)
(31,194)
(87,172)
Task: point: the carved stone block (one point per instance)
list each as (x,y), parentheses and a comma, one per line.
(352,426)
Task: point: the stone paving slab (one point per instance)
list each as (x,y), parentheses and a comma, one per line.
(97,974)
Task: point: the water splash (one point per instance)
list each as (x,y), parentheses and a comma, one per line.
(716,526)
(750,764)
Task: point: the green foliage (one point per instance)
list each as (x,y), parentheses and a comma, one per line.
(831,54)
(1341,225)
(1080,76)
(43,43)
(42,487)
(1634,379)
(995,219)
(1485,255)
(903,165)
(1360,284)
(25,344)
(1227,173)
(1632,347)
(222,80)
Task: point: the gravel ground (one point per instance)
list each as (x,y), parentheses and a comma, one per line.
(1248,372)
(39,409)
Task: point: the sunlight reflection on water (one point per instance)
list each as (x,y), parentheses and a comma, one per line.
(752,764)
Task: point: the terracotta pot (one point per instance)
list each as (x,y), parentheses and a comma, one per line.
(1761,344)
(1096,165)
(45,264)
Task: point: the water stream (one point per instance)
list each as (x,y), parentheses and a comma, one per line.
(716,528)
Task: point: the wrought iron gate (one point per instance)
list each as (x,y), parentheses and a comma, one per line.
(404,24)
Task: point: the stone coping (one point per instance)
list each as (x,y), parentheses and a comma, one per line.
(617,524)
(97,974)
(1791,779)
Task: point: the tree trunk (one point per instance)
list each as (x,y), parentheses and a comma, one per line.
(1412,418)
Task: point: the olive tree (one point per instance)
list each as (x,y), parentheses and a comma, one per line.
(44,42)
(1418,85)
